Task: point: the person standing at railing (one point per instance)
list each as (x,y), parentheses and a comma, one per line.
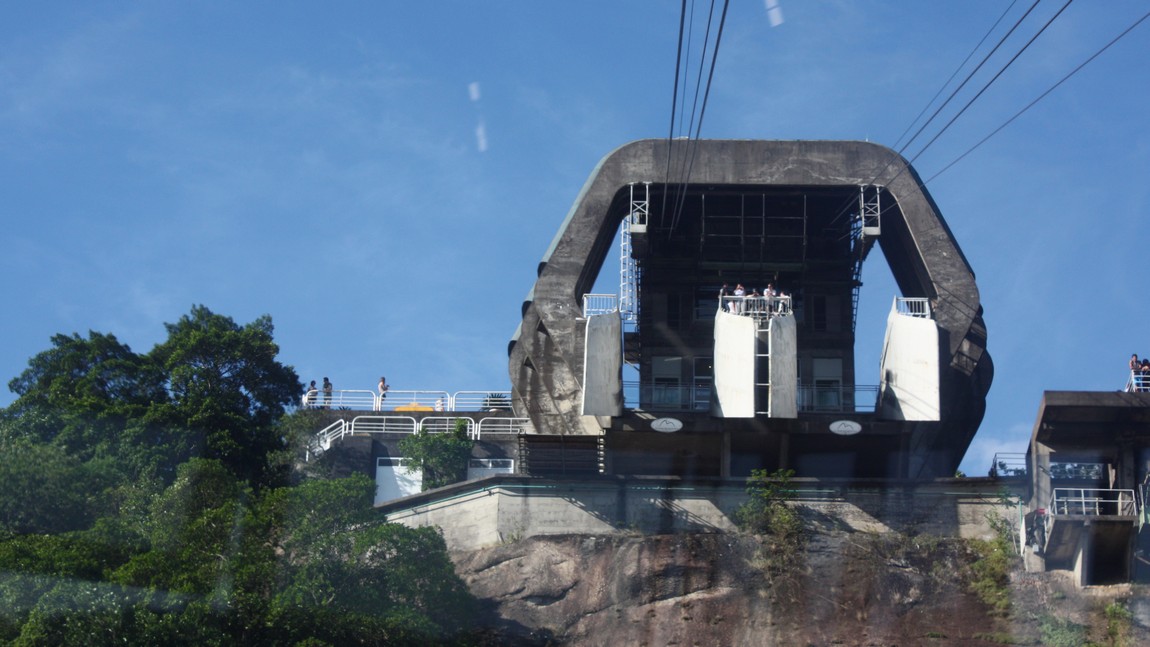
(382,388)
(310,395)
(327,387)
(1144,376)
(740,293)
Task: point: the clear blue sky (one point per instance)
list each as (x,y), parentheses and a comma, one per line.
(383,177)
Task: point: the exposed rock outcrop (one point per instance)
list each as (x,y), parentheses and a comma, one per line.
(842,588)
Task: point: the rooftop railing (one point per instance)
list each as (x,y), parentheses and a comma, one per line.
(756,306)
(1008,464)
(1138,382)
(912,307)
(600,304)
(407,400)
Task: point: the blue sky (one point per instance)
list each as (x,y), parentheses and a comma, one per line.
(383,177)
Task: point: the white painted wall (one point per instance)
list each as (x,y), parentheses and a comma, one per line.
(734,366)
(392,480)
(908,385)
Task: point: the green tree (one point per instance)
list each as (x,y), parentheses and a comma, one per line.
(442,456)
(227,388)
(81,393)
(45,490)
(190,532)
(339,561)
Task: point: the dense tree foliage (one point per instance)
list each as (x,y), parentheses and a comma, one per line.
(149,500)
(440,456)
(213,389)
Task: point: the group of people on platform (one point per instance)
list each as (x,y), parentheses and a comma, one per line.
(739,301)
(311,394)
(1139,374)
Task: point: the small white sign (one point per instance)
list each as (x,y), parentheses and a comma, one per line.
(845,427)
(667,425)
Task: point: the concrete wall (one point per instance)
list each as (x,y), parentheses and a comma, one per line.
(909,383)
(603,366)
(734,366)
(484,513)
(784,369)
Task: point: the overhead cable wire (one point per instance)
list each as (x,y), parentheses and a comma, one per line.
(955,92)
(674,102)
(685,151)
(702,108)
(847,205)
(1041,96)
(955,72)
(992,80)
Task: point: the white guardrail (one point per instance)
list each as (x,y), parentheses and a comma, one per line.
(396,424)
(408,400)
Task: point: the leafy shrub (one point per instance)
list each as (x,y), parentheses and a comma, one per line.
(442,456)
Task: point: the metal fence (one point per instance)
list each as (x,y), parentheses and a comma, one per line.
(912,307)
(1007,464)
(408,400)
(851,398)
(697,397)
(503,426)
(600,304)
(1092,502)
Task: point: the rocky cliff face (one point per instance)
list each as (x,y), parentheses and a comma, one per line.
(841,588)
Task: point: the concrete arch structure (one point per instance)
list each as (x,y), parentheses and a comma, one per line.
(546,354)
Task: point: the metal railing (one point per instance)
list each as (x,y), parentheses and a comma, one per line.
(503,426)
(856,398)
(344,399)
(697,397)
(481,401)
(382,425)
(1092,502)
(323,439)
(1006,464)
(912,307)
(600,304)
(667,397)
(410,400)
(774,306)
(1138,382)
(445,424)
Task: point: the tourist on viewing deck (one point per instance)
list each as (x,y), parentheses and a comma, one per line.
(309,396)
(1141,377)
(382,389)
(326,393)
(737,304)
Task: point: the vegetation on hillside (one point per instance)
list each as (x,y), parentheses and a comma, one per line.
(767,514)
(150,499)
(440,455)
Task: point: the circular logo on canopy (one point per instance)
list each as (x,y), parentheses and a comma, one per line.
(845,427)
(667,425)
